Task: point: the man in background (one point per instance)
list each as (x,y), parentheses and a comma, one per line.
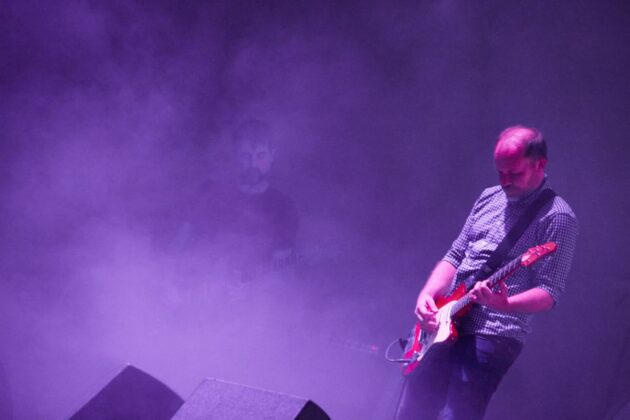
(251,222)
(265,217)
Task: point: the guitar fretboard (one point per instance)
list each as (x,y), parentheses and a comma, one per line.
(494,279)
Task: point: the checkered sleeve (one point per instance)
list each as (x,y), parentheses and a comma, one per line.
(456,253)
(551,272)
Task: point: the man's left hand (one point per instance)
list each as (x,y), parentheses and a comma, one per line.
(483,295)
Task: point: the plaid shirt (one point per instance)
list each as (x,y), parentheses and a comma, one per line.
(491,218)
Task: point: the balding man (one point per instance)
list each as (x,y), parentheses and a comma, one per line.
(456,381)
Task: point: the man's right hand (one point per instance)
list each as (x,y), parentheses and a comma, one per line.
(425,311)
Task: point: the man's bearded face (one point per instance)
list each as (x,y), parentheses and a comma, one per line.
(254,162)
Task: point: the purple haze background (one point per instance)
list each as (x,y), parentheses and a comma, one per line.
(384,117)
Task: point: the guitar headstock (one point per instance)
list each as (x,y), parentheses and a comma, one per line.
(534,254)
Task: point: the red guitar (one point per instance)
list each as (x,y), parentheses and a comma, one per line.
(457,303)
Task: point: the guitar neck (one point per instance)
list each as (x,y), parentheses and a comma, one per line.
(493,280)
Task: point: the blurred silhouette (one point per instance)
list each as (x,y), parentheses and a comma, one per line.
(252,223)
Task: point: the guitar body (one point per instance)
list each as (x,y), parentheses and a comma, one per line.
(420,342)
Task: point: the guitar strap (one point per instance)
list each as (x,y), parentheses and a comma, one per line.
(499,254)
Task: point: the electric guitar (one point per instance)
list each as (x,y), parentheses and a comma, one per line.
(458,303)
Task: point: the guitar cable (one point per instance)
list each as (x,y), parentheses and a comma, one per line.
(402,343)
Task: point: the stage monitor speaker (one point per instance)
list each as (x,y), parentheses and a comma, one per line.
(132,394)
(218,400)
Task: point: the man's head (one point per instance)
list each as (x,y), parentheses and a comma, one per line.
(254,152)
(520,156)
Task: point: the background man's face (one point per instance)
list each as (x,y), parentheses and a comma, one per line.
(254,161)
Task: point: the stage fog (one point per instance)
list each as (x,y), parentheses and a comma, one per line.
(118,133)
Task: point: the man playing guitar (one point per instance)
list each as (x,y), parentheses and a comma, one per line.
(456,381)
